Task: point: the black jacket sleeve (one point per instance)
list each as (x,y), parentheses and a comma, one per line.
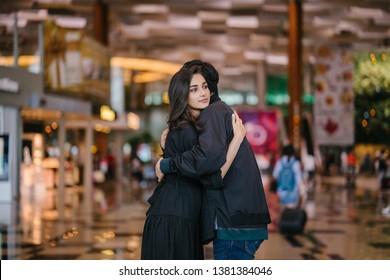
(209,156)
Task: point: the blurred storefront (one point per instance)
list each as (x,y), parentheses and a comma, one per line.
(56,117)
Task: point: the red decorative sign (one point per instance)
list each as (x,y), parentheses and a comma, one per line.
(262,130)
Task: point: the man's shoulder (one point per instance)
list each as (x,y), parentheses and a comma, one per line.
(218,108)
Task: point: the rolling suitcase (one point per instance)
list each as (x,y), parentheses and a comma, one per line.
(385,183)
(292,221)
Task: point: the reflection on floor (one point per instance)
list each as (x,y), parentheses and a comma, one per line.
(338,228)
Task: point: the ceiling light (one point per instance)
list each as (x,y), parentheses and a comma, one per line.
(323,22)
(261,39)
(316,7)
(276,59)
(254,55)
(185,22)
(242,22)
(9,21)
(145,65)
(281,41)
(41,14)
(365,12)
(135,31)
(212,55)
(322,33)
(228,48)
(231,71)
(172,55)
(148,77)
(212,16)
(150,9)
(71,22)
(248,68)
(23,60)
(279,8)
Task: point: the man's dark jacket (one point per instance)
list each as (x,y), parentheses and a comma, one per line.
(240,203)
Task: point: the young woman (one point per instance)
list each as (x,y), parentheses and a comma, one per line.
(172,227)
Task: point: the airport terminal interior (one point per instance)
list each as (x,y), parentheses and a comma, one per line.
(84,101)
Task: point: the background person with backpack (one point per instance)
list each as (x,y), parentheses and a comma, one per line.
(288,174)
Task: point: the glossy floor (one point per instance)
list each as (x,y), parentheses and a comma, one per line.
(338,228)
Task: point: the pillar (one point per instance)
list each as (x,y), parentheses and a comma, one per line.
(61,168)
(261,84)
(295,72)
(100,22)
(118,153)
(87,179)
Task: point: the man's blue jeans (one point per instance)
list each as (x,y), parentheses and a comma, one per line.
(235,249)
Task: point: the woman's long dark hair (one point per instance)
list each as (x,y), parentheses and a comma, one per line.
(178,92)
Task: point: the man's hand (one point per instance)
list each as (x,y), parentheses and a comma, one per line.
(163,138)
(159,174)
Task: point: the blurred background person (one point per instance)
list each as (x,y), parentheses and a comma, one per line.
(288,174)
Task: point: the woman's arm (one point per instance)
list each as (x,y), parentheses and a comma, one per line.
(239,135)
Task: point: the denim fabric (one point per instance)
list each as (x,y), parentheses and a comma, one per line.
(235,249)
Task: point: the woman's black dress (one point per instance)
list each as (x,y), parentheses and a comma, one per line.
(172,226)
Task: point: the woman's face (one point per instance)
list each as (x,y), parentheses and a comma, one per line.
(199,97)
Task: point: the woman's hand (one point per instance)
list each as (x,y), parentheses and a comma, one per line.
(163,138)
(239,129)
(159,174)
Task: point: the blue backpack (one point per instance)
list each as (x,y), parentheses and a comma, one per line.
(286,190)
(286,180)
